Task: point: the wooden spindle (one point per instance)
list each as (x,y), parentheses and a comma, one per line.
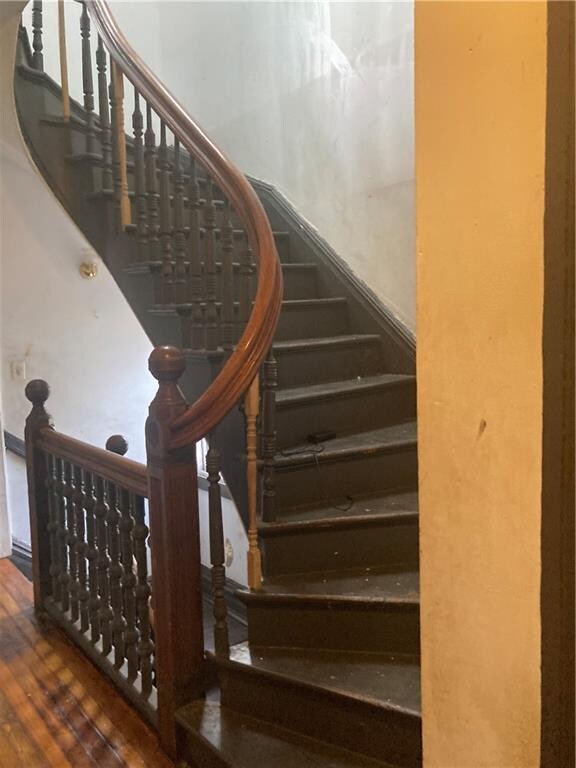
(217,552)
(179,231)
(115,571)
(212,336)
(63,61)
(40,498)
(92,557)
(195,276)
(125,502)
(53,526)
(140,179)
(80,505)
(142,594)
(175,536)
(227,282)
(37,56)
(152,195)
(119,144)
(87,82)
(105,613)
(245,287)
(104,110)
(165,223)
(62,536)
(251,404)
(269,386)
(71,541)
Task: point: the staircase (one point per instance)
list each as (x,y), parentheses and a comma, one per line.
(329,674)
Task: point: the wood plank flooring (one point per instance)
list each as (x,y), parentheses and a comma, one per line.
(56,710)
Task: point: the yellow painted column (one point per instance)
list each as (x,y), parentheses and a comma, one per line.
(480,150)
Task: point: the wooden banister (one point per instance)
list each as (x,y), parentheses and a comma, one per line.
(117,469)
(244,362)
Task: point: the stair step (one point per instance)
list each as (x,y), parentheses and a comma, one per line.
(214,736)
(368,609)
(344,406)
(329,358)
(366,702)
(350,533)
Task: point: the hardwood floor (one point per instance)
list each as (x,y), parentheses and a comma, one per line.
(56,711)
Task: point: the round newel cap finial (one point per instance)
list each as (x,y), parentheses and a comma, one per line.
(117,444)
(166,363)
(37,391)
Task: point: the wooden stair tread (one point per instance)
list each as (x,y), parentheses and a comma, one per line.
(361,585)
(145,266)
(344,340)
(401,504)
(396,436)
(330,389)
(243,742)
(384,681)
(287,304)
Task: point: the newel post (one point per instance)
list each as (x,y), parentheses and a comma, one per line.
(37,392)
(175,544)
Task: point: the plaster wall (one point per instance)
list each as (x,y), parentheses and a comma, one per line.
(480,142)
(315,97)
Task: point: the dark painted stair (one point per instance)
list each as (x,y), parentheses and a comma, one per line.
(329,677)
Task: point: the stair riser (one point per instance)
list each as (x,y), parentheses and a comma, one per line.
(392,737)
(197,753)
(331,363)
(329,549)
(359,475)
(312,322)
(354,412)
(335,627)
(300,283)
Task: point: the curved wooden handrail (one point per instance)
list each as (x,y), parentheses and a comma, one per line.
(244,363)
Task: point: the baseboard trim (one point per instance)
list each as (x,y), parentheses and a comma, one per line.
(22,550)
(14,444)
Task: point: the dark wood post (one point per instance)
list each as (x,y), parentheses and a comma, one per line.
(37,56)
(175,545)
(37,392)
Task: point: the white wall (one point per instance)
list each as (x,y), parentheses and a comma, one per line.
(80,335)
(314,97)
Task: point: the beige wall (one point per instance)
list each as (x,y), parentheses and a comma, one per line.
(480,110)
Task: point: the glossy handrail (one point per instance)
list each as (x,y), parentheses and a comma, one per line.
(244,363)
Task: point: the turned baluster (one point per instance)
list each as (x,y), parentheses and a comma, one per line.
(145,645)
(53,527)
(179,232)
(120,170)
(125,502)
(269,386)
(80,505)
(212,339)
(227,281)
(165,224)
(92,557)
(87,82)
(37,56)
(251,403)
(217,552)
(103,108)
(197,330)
(152,198)
(245,287)
(63,61)
(105,614)
(71,541)
(140,179)
(115,572)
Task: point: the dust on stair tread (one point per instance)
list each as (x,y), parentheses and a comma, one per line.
(244,742)
(384,681)
(392,505)
(359,584)
(362,443)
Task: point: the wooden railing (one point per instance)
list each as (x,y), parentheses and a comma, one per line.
(200,230)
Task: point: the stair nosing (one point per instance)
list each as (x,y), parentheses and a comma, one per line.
(342,340)
(278,528)
(320,598)
(290,396)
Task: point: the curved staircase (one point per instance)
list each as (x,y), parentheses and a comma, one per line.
(329,674)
